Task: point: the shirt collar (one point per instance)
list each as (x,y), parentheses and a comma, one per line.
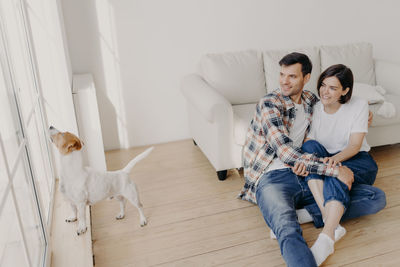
(306,97)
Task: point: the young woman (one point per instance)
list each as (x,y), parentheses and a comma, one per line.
(338,135)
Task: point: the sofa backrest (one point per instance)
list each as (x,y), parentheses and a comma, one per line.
(238,76)
(272,68)
(245,77)
(357,56)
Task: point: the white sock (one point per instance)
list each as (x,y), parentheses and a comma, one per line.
(322,248)
(272,235)
(340,231)
(303,216)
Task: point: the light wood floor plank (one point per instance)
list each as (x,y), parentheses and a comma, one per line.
(196,220)
(390,259)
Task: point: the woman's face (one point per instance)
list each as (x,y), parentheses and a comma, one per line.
(331,90)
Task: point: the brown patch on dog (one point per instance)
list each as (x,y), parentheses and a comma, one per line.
(66,142)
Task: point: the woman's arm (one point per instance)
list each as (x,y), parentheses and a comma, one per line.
(352,148)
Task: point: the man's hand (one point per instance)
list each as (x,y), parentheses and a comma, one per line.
(370,117)
(346,176)
(300,169)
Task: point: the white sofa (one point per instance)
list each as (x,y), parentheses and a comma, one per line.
(221,97)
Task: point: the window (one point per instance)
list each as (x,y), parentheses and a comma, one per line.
(30,84)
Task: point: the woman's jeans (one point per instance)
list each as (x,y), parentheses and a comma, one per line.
(362,165)
(280,192)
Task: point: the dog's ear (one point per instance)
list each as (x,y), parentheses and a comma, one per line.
(74,145)
(71,143)
(77,145)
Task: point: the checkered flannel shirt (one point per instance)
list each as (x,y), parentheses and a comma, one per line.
(268,137)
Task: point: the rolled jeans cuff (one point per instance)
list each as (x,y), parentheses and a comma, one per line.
(313,176)
(345,203)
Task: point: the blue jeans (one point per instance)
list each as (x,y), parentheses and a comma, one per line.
(362,164)
(280,192)
(333,188)
(364,169)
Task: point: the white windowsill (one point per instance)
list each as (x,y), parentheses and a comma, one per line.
(67,248)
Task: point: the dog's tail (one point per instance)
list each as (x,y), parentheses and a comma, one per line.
(138,158)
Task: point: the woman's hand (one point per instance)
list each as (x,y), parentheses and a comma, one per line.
(300,169)
(370,117)
(346,176)
(332,162)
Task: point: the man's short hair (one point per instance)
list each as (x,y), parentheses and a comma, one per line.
(345,77)
(294,58)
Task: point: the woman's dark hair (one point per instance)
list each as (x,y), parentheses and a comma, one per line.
(294,58)
(345,77)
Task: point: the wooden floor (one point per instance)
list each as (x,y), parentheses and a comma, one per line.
(196,220)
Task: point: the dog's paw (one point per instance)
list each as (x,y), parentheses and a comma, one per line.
(120,216)
(143,222)
(68,220)
(81,230)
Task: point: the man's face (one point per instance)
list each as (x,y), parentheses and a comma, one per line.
(292,80)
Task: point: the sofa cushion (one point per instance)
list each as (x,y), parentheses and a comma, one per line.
(381,121)
(358,57)
(238,76)
(372,93)
(242,116)
(272,68)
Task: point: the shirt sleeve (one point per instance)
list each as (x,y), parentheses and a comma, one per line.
(360,121)
(278,137)
(314,124)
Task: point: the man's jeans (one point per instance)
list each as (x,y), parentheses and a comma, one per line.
(280,192)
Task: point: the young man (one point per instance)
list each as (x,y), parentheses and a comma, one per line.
(272,147)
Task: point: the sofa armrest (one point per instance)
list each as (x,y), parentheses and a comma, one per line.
(387,75)
(204,98)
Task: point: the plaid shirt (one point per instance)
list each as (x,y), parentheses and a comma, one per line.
(268,137)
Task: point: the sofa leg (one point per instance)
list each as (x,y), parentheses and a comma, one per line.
(222,175)
(194,142)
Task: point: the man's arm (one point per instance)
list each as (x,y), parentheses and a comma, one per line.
(345,174)
(278,137)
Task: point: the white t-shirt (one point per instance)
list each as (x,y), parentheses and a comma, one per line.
(333,130)
(296,134)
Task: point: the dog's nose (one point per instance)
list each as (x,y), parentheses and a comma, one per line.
(51,128)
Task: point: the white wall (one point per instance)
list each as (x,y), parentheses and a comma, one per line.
(154,43)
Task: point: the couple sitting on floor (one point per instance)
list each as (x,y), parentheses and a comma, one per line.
(311,155)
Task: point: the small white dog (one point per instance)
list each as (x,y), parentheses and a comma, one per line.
(85,186)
